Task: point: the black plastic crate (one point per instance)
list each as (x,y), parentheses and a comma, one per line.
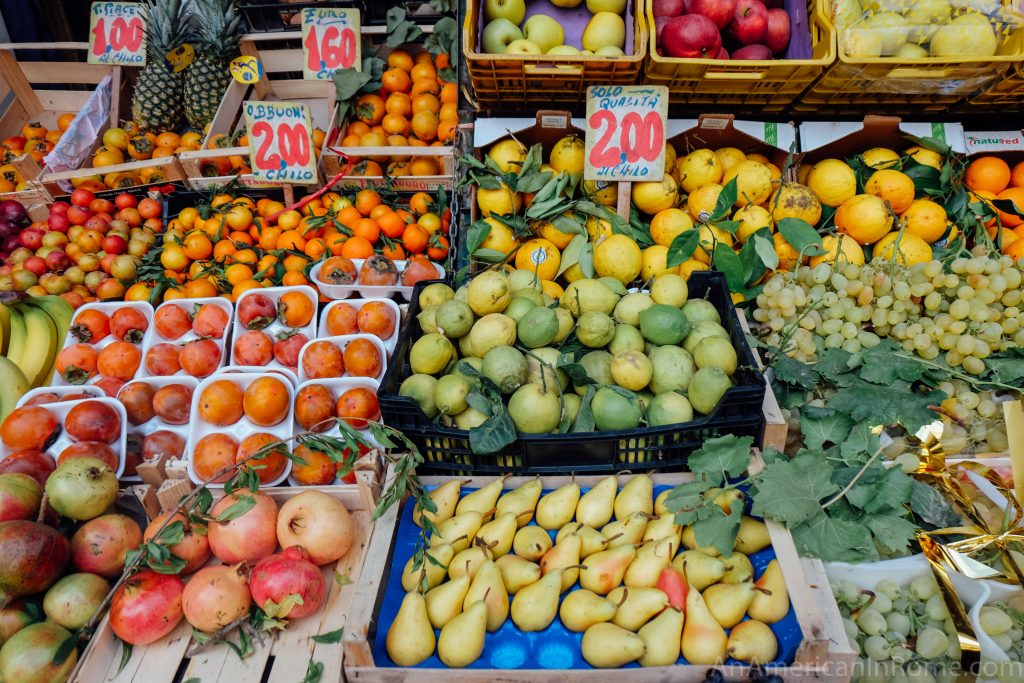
(418,11)
(265,16)
(446,450)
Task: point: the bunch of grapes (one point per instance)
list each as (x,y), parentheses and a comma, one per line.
(1003,622)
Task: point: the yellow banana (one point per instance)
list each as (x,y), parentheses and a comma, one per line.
(13,386)
(37,358)
(19,338)
(60,312)
(5,328)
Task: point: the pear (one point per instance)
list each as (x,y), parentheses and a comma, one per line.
(521,501)
(468,561)
(701,570)
(531,542)
(662,637)
(725,499)
(728,602)
(431,572)
(410,638)
(457,531)
(771,603)
(672,584)
(535,607)
(659,502)
(445,497)
(753,642)
(704,640)
(444,603)
(591,540)
(581,609)
(558,508)
(663,526)
(690,541)
(498,533)
(482,500)
(737,569)
(605,570)
(564,555)
(606,646)
(462,639)
(636,606)
(626,530)
(636,496)
(489,588)
(752,536)
(597,505)
(517,573)
(651,558)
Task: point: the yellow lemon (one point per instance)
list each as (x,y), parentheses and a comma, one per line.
(833,181)
(699,167)
(701,202)
(753,182)
(759,158)
(793,200)
(926,219)
(788,256)
(670,158)
(893,186)
(500,238)
(602,192)
(539,256)
(652,197)
(598,228)
(690,266)
(552,289)
(551,233)
(925,156)
(509,154)
(567,154)
(880,157)
(667,224)
(655,262)
(619,257)
(501,201)
(729,156)
(865,218)
(839,249)
(752,218)
(906,249)
(710,236)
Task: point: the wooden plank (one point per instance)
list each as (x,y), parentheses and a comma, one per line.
(817,581)
(776,429)
(12,74)
(62,100)
(63,72)
(84,47)
(283,60)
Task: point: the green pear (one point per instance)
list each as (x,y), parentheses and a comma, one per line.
(563,556)
(489,588)
(444,603)
(597,505)
(605,570)
(457,531)
(626,530)
(517,573)
(771,603)
(651,558)
(521,501)
(591,540)
(690,541)
(445,497)
(558,508)
(663,526)
(704,640)
(728,602)
(498,533)
(752,642)
(662,637)
(462,639)
(482,500)
(606,646)
(410,638)
(531,542)
(636,496)
(752,536)
(737,569)
(535,606)
(701,570)
(468,561)
(431,572)
(659,502)
(581,609)
(637,606)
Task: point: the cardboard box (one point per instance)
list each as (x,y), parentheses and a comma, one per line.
(817,134)
(989,141)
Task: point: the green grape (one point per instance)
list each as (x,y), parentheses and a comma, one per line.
(886,587)
(995,621)
(1002,641)
(877,648)
(908,462)
(871,622)
(931,643)
(923,587)
(917,673)
(881,603)
(935,608)
(900,623)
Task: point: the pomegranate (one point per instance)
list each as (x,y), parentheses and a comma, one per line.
(216,596)
(28,656)
(194,548)
(82,488)
(146,607)
(317,522)
(35,464)
(100,545)
(20,496)
(250,536)
(32,557)
(72,601)
(15,617)
(289,572)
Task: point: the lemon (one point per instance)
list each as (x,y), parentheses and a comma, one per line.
(619,257)
(881,157)
(567,154)
(793,200)
(729,157)
(602,192)
(652,197)
(833,181)
(865,218)
(501,201)
(539,255)
(753,182)
(839,249)
(552,289)
(509,154)
(655,262)
(710,235)
(489,292)
(751,218)
(908,250)
(670,158)
(551,233)
(668,224)
(430,354)
(925,156)
(699,167)
(500,238)
(701,202)
(690,266)
(598,228)
(787,254)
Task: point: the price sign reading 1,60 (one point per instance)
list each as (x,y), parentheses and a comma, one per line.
(330,41)
(117,33)
(280,142)
(625,133)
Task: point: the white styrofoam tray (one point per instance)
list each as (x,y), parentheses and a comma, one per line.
(365,291)
(342,342)
(389,342)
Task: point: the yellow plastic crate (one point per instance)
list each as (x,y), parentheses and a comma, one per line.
(1003,92)
(518,83)
(769,85)
(906,85)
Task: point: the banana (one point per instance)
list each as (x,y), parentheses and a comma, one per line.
(38,356)
(13,386)
(19,336)
(5,328)
(60,312)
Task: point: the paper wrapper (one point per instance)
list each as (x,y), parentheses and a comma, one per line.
(78,140)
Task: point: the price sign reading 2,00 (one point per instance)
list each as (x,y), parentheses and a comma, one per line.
(280,142)
(292,144)
(625,136)
(641,137)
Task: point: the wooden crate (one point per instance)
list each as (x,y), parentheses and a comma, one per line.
(775,427)
(281,658)
(824,653)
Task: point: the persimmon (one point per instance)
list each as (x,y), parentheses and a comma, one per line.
(314,407)
(266,401)
(220,403)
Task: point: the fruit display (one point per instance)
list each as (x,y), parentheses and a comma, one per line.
(32,329)
(319,404)
(721,29)
(599,31)
(189,338)
(272,326)
(157,412)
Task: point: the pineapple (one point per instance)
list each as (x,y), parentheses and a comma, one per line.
(219,27)
(156,103)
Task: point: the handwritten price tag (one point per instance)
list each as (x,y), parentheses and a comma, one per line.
(626,132)
(330,41)
(280,142)
(117,33)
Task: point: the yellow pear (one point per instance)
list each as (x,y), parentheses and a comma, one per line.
(690,541)
(737,569)
(410,638)
(606,646)
(662,637)
(517,573)
(462,639)
(626,530)
(659,502)
(444,603)
(489,588)
(701,570)
(753,642)
(432,573)
(498,533)
(651,558)
(535,606)
(468,561)
(604,570)
(482,500)
(564,555)
(752,536)
(558,508)
(591,539)
(728,602)
(704,640)
(637,606)
(663,526)
(771,603)
(457,531)
(445,497)
(636,496)
(521,501)
(581,609)
(597,505)
(531,542)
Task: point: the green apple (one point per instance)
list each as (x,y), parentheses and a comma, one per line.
(609,51)
(969,35)
(563,51)
(613,6)
(604,29)
(523,47)
(544,32)
(513,10)
(498,34)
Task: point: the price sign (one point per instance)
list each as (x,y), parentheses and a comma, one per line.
(626,132)
(117,33)
(245,69)
(330,41)
(280,142)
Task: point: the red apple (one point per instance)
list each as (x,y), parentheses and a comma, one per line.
(58,222)
(777,37)
(34,264)
(668,8)
(752,52)
(59,207)
(30,238)
(57,261)
(719,11)
(722,53)
(114,244)
(691,36)
(659,26)
(749,22)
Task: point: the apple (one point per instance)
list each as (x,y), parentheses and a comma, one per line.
(58,222)
(691,36)
(522,47)
(31,238)
(544,32)
(513,10)
(57,261)
(609,51)
(752,52)
(614,6)
(718,11)
(498,34)
(668,8)
(659,25)
(749,22)
(564,51)
(776,38)
(722,53)
(603,30)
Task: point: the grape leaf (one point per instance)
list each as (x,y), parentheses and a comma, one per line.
(833,363)
(792,371)
(719,528)
(791,491)
(932,507)
(885,363)
(818,431)
(685,499)
(721,458)
(1006,370)
(892,491)
(834,540)
(877,405)
(894,532)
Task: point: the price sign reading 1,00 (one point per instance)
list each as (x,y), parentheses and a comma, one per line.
(640,138)
(120,34)
(117,33)
(625,137)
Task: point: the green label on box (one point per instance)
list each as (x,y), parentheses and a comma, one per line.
(771,133)
(939,131)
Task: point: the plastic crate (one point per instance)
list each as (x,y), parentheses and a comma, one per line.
(526,83)
(1007,91)
(446,450)
(419,11)
(763,85)
(267,16)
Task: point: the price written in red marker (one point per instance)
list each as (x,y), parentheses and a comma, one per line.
(280,142)
(117,33)
(330,41)
(625,137)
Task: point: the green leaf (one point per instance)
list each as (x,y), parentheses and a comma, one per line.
(585,418)
(275,610)
(1006,370)
(313,672)
(878,405)
(832,364)
(832,429)
(834,540)
(476,235)
(723,207)
(571,253)
(801,236)
(683,246)
(331,637)
(894,532)
(792,371)
(684,500)
(932,143)
(887,362)
(344,580)
(719,529)
(126,655)
(586,260)
(400,30)
(242,505)
(891,492)
(765,250)
(791,492)
(721,458)
(495,433)
(728,261)
(489,255)
(578,374)
(932,507)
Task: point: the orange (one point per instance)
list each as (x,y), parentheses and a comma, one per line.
(398,103)
(349,216)
(370,109)
(423,71)
(174,258)
(925,219)
(223,249)
(1006,238)
(394,252)
(357,128)
(289,220)
(291,239)
(368,229)
(424,166)
(140,291)
(239,217)
(187,217)
(985,198)
(237,272)
(449,112)
(200,288)
(396,80)
(895,187)
(399,59)
(398,141)
(396,124)
(988,173)
(243,237)
(450,93)
(420,203)
(424,125)
(425,85)
(294,262)
(315,248)
(366,200)
(446,130)
(350,141)
(1016,195)
(244,286)
(422,58)
(1017,175)
(64,120)
(425,102)
(197,246)
(294,278)
(269,237)
(1015,250)
(270,208)
(246,256)
(391,224)
(267,262)
(357,247)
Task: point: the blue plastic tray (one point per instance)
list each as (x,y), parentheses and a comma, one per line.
(555,647)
